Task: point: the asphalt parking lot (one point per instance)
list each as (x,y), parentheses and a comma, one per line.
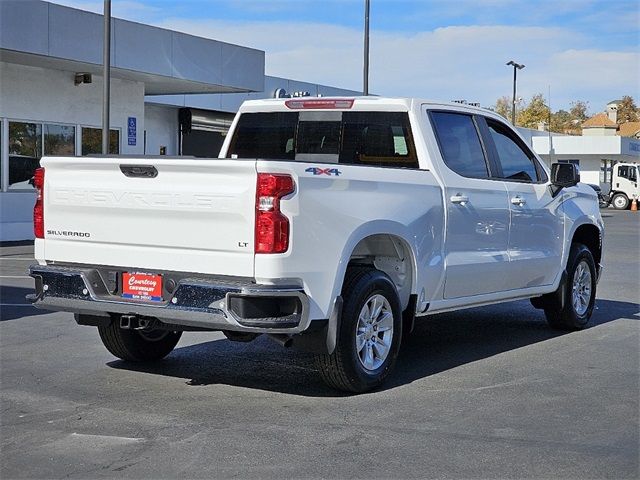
(484,393)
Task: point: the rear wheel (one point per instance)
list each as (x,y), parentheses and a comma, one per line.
(369,335)
(579,292)
(620,201)
(138,345)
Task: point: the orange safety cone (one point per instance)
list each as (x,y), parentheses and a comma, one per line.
(634,205)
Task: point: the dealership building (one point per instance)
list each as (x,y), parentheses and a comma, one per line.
(595,155)
(51,98)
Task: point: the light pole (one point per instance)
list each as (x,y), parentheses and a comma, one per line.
(365,82)
(516,67)
(106,75)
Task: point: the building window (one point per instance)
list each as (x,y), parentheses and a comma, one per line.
(25,150)
(59,140)
(606,167)
(92,141)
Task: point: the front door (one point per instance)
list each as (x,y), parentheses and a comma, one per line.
(537,223)
(476,258)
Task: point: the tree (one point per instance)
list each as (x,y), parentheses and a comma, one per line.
(535,112)
(579,112)
(627,110)
(503,107)
(561,121)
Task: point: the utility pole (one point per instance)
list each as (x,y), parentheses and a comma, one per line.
(365,83)
(516,67)
(106,75)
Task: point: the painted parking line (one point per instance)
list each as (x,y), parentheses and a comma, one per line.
(15,276)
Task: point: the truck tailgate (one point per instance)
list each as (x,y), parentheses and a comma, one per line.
(193,216)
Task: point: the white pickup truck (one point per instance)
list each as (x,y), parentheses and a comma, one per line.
(329,224)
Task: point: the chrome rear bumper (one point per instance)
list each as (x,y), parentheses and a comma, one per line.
(214,303)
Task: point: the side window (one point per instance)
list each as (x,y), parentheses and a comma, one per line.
(517,164)
(377,139)
(460,144)
(623,171)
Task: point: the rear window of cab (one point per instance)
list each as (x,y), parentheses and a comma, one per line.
(354,138)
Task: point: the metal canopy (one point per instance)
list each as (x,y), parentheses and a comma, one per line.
(42,34)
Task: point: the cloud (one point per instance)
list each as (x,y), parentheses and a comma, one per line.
(593,75)
(455,62)
(444,64)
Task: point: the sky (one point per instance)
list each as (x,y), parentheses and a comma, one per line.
(585,50)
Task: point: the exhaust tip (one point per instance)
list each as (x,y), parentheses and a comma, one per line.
(285,340)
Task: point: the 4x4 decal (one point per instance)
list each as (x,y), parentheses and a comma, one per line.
(323,171)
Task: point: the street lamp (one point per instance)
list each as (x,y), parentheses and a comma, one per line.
(516,67)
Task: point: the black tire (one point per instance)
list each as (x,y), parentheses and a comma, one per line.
(620,201)
(343,369)
(138,345)
(568,317)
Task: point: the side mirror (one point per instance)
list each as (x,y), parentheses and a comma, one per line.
(564,175)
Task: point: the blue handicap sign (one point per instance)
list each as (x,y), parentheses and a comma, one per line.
(131,130)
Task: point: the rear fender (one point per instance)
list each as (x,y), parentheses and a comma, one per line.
(379,227)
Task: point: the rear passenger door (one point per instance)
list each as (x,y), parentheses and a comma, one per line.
(477,228)
(537,224)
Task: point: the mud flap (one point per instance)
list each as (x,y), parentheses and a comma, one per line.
(409,315)
(321,337)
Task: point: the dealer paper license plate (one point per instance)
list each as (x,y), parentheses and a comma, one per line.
(142,286)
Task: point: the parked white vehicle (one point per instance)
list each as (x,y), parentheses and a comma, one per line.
(327,223)
(624,185)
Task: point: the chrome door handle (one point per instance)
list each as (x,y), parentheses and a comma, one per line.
(459,199)
(518,200)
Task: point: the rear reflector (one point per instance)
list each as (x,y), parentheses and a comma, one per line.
(38,209)
(318,104)
(272,227)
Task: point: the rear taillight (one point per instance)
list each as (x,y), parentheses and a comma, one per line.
(38,209)
(272,227)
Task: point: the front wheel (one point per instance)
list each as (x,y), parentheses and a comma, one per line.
(369,335)
(138,345)
(620,201)
(579,292)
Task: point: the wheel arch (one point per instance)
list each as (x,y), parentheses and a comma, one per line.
(590,235)
(386,247)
